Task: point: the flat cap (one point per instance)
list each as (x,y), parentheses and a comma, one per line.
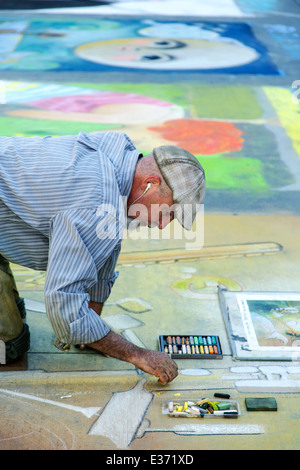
(185,176)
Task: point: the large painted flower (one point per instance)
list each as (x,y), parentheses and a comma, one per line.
(201,137)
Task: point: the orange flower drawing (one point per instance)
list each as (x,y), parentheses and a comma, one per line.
(201,137)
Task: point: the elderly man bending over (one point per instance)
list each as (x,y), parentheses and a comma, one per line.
(60,212)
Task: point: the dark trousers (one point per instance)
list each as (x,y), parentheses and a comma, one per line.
(11,323)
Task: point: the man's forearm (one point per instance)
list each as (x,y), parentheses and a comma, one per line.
(118,347)
(152,362)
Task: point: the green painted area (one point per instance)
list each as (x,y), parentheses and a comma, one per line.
(224,102)
(218,102)
(30,127)
(234,173)
(197,283)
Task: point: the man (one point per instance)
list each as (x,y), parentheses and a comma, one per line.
(60,212)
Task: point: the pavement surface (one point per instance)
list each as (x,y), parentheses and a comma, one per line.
(223,81)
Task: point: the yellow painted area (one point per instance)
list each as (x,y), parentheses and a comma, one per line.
(13,86)
(288,112)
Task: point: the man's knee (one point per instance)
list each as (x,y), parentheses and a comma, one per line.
(14,333)
(11,323)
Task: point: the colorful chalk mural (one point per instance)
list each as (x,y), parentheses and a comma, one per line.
(146,7)
(225,127)
(202,287)
(199,8)
(61,44)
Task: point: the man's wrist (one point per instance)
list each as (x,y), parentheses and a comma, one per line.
(96,306)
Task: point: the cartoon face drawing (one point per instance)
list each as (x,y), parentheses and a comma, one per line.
(167,54)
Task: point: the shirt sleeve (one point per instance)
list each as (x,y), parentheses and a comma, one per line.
(106,277)
(82,251)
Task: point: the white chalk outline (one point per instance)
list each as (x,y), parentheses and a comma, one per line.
(88,412)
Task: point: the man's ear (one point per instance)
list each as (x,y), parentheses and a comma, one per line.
(152,180)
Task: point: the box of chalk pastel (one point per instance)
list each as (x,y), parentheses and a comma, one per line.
(191,346)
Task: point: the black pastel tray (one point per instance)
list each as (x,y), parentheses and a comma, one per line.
(191,346)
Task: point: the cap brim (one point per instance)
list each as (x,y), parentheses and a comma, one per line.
(184,215)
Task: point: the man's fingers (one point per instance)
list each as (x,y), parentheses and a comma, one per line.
(169,373)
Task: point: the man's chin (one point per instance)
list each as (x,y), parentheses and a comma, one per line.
(133,224)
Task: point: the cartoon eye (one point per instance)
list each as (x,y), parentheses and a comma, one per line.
(167,44)
(156,57)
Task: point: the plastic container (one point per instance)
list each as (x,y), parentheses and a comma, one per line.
(201,408)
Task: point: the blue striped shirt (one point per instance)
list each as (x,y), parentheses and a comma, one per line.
(60,212)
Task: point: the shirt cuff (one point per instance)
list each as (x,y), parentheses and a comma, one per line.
(88,329)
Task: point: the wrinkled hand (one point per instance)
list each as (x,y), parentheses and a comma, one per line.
(158,364)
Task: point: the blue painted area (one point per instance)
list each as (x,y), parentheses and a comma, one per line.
(287,37)
(48,44)
(255,6)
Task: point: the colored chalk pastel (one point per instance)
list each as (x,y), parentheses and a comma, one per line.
(210,348)
(223,406)
(196,340)
(200,340)
(222,395)
(209,340)
(201,349)
(202,401)
(227,413)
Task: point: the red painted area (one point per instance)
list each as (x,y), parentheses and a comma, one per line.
(202,137)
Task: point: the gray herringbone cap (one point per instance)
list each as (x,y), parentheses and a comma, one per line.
(185,177)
